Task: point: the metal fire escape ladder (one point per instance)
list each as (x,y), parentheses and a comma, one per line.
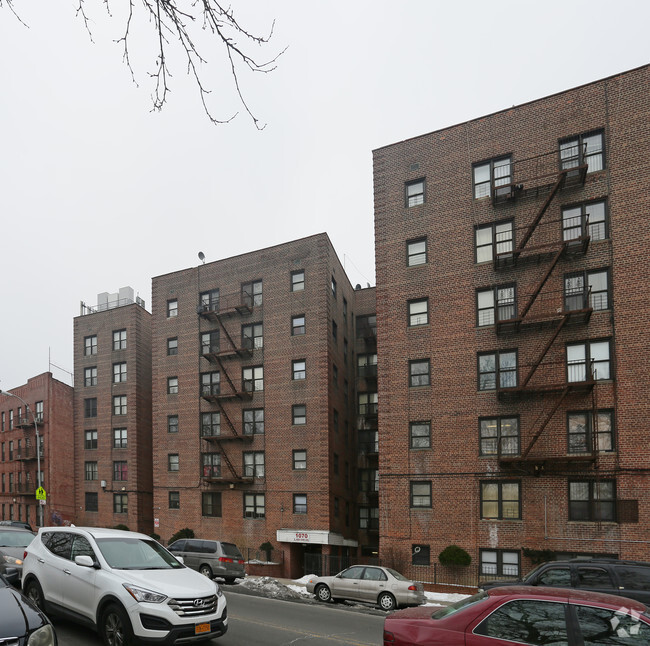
(546,348)
(543,280)
(544,423)
(228,420)
(229,464)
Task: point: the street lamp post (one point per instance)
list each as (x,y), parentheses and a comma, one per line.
(38,451)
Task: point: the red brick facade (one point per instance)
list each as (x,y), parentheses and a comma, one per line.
(51,402)
(112,445)
(543,490)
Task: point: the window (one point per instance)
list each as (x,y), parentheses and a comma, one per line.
(172,462)
(90,470)
(299,503)
(345,310)
(209,301)
(418,312)
(369,480)
(591,500)
(119,405)
(585,436)
(253,378)
(298,369)
(90,376)
(299,459)
(90,408)
(253,421)
(210,424)
(90,345)
(602,626)
(211,465)
(367,365)
(499,302)
(252,336)
(120,503)
(416,252)
(210,384)
(120,438)
(172,308)
(254,505)
(420,434)
(367,327)
(119,372)
(299,414)
(584,149)
(588,361)
(297,325)
(367,403)
(90,440)
(492,173)
(91,501)
(211,504)
(526,621)
(369,441)
(172,385)
(586,219)
(499,562)
(335,375)
(420,555)
(421,494)
(172,346)
(174,500)
(414,192)
(254,464)
(369,518)
(499,436)
(335,330)
(493,238)
(419,373)
(586,289)
(497,369)
(298,280)
(119,339)
(251,293)
(11,416)
(210,342)
(500,500)
(333,287)
(120,470)
(172,423)
(39,412)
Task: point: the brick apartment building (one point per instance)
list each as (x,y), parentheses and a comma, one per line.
(112,421)
(254,411)
(50,405)
(512,332)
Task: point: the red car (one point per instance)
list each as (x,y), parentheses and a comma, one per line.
(516,615)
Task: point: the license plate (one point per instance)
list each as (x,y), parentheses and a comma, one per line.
(200,629)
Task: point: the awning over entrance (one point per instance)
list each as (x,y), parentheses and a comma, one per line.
(317,536)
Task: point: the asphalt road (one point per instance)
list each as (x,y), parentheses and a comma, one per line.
(259,621)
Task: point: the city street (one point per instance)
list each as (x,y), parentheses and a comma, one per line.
(258,621)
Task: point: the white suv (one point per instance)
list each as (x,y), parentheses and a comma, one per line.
(124,584)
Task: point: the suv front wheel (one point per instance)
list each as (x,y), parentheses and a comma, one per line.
(34,593)
(115,627)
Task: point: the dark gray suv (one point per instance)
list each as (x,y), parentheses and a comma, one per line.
(625,578)
(211,558)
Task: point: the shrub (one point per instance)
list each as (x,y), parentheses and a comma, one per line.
(454,555)
(186,532)
(122,527)
(266,548)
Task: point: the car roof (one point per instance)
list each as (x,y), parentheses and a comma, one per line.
(571,595)
(97,532)
(15,528)
(597,561)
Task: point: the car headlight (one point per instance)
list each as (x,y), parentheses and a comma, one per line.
(219,591)
(11,560)
(141,595)
(44,636)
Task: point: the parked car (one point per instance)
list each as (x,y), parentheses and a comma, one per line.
(211,558)
(9,572)
(17,523)
(626,578)
(372,584)
(124,584)
(21,623)
(524,615)
(13,541)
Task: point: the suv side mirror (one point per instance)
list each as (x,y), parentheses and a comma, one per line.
(84,560)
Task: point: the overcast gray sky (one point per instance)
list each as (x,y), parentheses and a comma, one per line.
(98,192)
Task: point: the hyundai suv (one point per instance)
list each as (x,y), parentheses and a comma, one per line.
(124,584)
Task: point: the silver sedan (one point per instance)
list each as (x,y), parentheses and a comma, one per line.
(369,583)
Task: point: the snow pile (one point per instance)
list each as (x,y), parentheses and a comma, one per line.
(270,587)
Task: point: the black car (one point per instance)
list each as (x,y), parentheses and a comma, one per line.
(629,579)
(22,621)
(17,523)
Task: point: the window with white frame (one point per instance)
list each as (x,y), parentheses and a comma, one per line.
(500,562)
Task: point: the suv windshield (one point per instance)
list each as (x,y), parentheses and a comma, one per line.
(136,554)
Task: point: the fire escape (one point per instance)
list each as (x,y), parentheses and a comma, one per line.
(542,247)
(25,453)
(222,352)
